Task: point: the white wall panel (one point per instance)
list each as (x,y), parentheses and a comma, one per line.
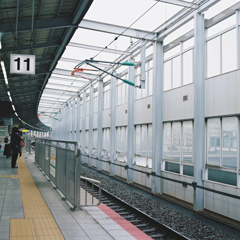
(209,97)
(121,115)
(232,92)
(80,125)
(95,120)
(222,94)
(106,118)
(238,91)
(234,204)
(87,122)
(174,108)
(140,111)
(224,205)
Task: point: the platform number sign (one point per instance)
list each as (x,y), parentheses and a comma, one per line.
(22,63)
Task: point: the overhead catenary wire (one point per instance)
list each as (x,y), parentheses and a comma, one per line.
(131,46)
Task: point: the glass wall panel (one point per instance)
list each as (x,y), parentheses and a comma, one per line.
(86,138)
(87,108)
(229,142)
(150,136)
(138,139)
(124,93)
(176,72)
(213,57)
(188,43)
(95,138)
(119,94)
(167,75)
(221,25)
(144,140)
(172,52)
(106,137)
(229,51)
(150,82)
(118,139)
(122,139)
(188,67)
(176,141)
(213,141)
(167,141)
(138,90)
(187,141)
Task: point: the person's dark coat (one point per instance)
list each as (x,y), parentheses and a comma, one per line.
(15,143)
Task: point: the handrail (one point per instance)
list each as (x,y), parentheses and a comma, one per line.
(92,181)
(193,184)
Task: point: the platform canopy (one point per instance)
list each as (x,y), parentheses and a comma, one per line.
(34,27)
(63,33)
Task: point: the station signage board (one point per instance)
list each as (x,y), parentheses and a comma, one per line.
(22,64)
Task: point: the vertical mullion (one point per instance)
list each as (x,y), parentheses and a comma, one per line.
(221,142)
(220,54)
(181,150)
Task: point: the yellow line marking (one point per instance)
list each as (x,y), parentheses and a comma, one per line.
(5,176)
(39,223)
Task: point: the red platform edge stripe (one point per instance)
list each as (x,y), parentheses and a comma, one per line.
(129,227)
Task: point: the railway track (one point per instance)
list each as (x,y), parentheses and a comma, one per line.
(141,220)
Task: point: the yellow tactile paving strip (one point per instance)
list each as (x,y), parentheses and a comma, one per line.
(39,223)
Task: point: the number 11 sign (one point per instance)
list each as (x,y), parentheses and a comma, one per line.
(22,63)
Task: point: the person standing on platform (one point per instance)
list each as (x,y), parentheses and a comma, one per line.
(7,147)
(21,136)
(15,145)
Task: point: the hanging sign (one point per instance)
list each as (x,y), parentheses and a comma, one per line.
(22,64)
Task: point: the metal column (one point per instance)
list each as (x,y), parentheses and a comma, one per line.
(65,122)
(90,139)
(157,114)
(83,122)
(73,120)
(143,60)
(100,116)
(238,37)
(113,125)
(78,120)
(69,121)
(199,102)
(130,146)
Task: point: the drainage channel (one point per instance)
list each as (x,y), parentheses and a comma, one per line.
(141,220)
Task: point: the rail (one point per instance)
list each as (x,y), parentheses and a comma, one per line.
(92,181)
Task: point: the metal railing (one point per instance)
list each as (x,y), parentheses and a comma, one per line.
(57,160)
(92,182)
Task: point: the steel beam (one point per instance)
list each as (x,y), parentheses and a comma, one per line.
(68,73)
(222,15)
(85,46)
(116,30)
(29,46)
(40,24)
(59,79)
(39,71)
(180,3)
(182,18)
